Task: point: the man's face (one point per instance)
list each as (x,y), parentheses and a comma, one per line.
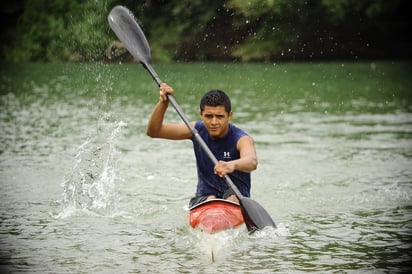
(216,120)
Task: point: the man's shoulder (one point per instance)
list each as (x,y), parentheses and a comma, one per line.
(238,131)
(199,125)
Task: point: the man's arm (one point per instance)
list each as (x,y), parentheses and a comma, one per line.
(156,128)
(247,161)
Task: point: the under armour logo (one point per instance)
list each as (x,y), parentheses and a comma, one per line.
(226,154)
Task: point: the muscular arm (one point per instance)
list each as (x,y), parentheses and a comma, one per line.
(247,161)
(157,129)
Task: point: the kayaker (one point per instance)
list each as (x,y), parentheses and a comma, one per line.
(233,148)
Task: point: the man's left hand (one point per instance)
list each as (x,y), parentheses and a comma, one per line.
(222,168)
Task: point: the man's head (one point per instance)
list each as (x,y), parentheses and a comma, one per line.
(215,98)
(216,112)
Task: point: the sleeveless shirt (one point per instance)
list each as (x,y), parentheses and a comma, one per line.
(224,149)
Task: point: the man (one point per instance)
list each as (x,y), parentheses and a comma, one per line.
(232,147)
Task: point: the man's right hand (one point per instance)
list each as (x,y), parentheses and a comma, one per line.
(164,91)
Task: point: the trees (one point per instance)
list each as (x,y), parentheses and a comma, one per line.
(60,30)
(193,30)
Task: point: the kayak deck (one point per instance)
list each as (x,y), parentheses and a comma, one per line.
(215,215)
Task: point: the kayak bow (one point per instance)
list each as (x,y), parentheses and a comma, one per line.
(215,215)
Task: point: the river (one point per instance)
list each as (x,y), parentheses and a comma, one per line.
(84,190)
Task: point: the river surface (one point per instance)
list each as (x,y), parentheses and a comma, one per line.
(84,190)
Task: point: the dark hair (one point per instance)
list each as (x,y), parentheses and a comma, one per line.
(215,98)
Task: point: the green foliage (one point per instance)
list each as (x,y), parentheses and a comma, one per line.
(176,29)
(194,30)
(89,31)
(317,29)
(61,30)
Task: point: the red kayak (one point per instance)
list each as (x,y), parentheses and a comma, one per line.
(215,215)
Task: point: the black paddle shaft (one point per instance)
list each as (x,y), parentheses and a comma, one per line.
(128,31)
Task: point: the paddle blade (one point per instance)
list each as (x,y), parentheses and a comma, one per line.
(124,25)
(255,216)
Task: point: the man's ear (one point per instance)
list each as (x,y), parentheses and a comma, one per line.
(230,115)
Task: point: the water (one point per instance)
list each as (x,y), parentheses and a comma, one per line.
(83,190)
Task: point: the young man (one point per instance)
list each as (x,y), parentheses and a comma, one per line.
(232,147)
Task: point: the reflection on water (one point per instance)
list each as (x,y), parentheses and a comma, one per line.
(82,187)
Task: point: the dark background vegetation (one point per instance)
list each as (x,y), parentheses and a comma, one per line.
(215,30)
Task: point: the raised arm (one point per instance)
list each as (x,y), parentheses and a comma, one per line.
(156,128)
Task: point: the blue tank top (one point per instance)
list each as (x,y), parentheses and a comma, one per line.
(224,149)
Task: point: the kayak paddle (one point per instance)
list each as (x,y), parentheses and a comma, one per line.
(128,31)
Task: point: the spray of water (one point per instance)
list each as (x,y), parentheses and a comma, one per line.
(218,246)
(90,184)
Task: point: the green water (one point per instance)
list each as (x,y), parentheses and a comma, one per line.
(84,190)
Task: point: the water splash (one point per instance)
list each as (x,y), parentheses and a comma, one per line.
(282,230)
(90,184)
(216,246)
